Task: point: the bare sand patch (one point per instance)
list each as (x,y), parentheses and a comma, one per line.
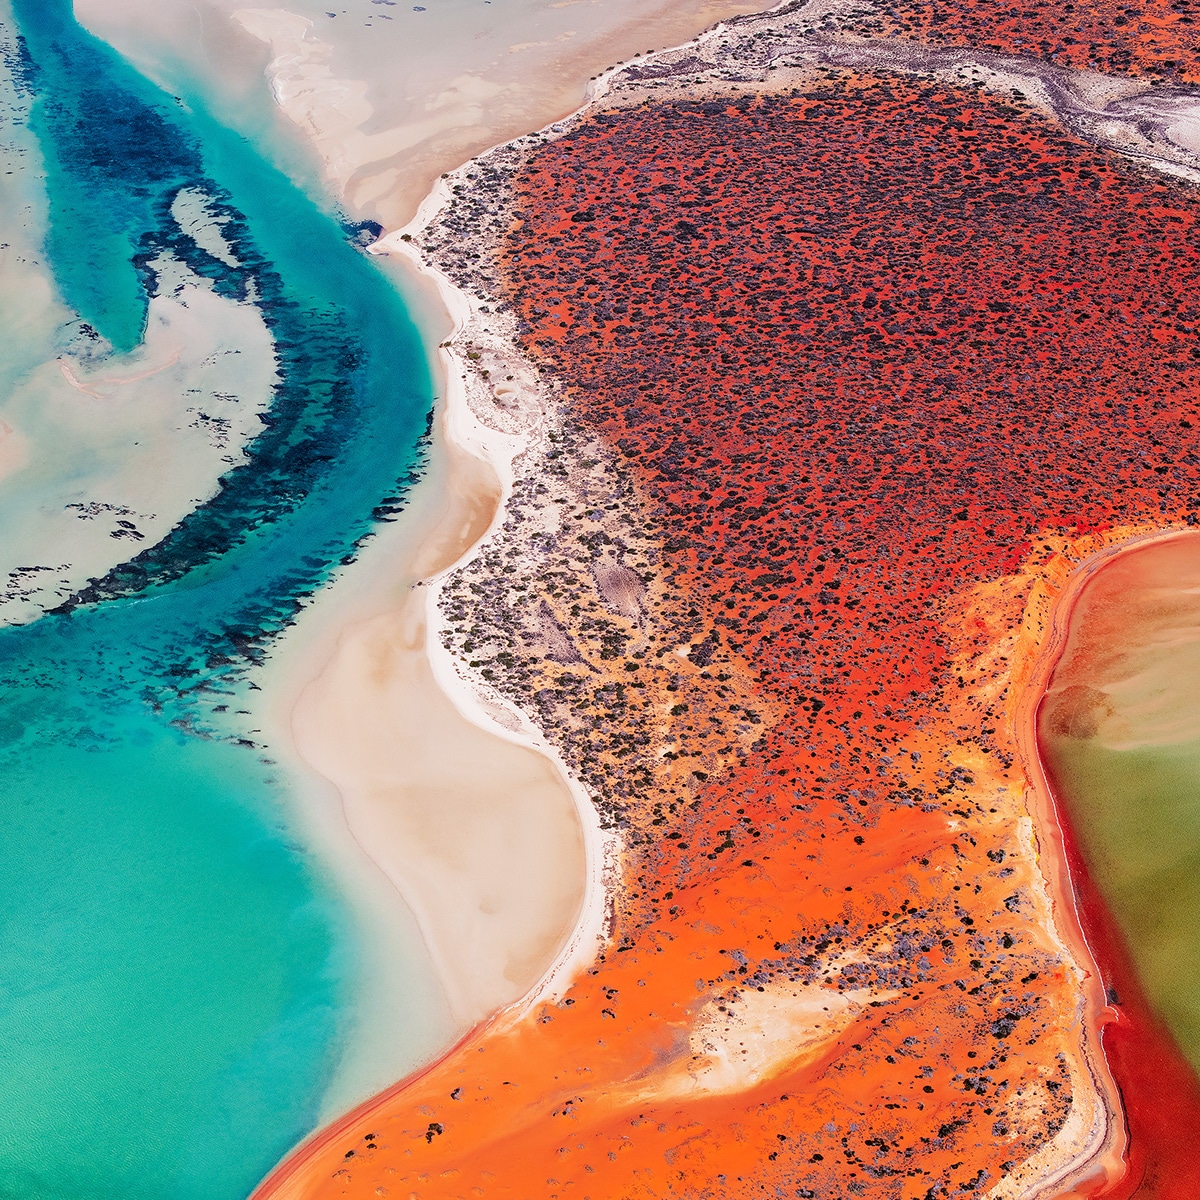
(470,829)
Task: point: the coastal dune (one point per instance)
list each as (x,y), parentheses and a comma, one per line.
(447,788)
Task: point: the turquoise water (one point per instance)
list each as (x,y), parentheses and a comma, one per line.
(176,972)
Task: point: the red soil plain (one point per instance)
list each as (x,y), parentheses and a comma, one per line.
(887,361)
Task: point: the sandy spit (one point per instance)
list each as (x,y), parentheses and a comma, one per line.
(450,790)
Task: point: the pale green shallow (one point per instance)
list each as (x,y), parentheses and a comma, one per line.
(1136,814)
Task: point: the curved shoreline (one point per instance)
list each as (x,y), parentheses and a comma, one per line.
(580,931)
(1108,1157)
(464,433)
(480,704)
(1110,1164)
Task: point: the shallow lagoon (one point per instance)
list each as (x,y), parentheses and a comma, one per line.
(181,976)
(1138,817)
(1120,734)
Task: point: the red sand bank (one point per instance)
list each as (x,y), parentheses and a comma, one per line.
(884,363)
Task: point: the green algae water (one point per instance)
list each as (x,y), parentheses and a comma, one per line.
(1119,732)
(175,970)
(1138,816)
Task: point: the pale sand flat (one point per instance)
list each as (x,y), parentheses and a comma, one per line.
(471,830)
(390,97)
(107,455)
(1141,638)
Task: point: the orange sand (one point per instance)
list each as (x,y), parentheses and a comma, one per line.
(637,1079)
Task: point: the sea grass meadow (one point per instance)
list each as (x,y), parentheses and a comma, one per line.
(177,971)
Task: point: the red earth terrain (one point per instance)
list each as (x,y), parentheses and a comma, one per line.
(1158,39)
(886,361)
